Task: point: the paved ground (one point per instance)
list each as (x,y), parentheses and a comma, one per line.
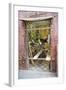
(35,72)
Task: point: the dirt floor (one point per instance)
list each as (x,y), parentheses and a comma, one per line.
(35,72)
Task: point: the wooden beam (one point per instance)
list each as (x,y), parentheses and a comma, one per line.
(48,58)
(37,55)
(37,18)
(39,28)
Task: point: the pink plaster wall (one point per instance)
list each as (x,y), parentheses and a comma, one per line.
(22,45)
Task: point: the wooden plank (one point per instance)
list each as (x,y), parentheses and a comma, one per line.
(37,58)
(37,18)
(37,55)
(39,28)
(48,58)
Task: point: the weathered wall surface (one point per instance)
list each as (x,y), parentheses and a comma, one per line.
(22,45)
(54,42)
(34,14)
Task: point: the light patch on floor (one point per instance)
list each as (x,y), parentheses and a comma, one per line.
(35,72)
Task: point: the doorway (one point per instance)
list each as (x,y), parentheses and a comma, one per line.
(38,44)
